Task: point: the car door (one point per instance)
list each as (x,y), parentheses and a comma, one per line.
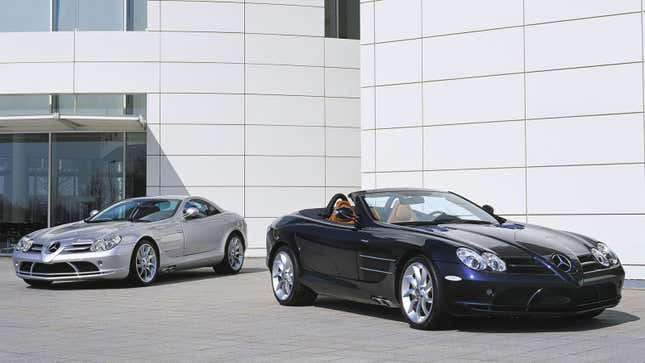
(204,232)
(330,249)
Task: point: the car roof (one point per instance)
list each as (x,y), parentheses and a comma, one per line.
(391,190)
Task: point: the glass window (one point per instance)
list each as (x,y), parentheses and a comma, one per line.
(87,173)
(64,104)
(100,105)
(135,164)
(23,186)
(136,104)
(137,15)
(201,206)
(342,19)
(138,210)
(24,15)
(88,15)
(15,105)
(65,13)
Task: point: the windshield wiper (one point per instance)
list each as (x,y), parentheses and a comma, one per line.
(445,221)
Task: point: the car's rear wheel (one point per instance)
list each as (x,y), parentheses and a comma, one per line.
(38,283)
(285,273)
(420,295)
(234,259)
(144,264)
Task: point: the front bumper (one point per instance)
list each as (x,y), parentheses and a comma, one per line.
(482,293)
(112,264)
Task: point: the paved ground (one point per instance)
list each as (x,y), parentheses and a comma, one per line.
(199,316)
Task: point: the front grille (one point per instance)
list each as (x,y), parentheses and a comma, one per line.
(55,268)
(78,247)
(525,265)
(60,269)
(83,267)
(25,266)
(35,248)
(590,265)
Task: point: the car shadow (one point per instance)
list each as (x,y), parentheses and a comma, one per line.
(170,278)
(491,325)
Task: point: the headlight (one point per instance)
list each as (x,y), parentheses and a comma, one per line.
(104,244)
(479,262)
(24,244)
(604,255)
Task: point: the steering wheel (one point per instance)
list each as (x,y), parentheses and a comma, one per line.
(436,214)
(332,203)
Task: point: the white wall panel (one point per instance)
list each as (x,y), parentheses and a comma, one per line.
(538,11)
(398,149)
(284,171)
(397,19)
(472,100)
(504,189)
(343,112)
(455,16)
(613,39)
(399,105)
(104,46)
(286,80)
(368,151)
(37,47)
(368,112)
(285,110)
(585,91)
(153,139)
(367,65)
(367,22)
(202,109)
(586,189)
(343,142)
(202,47)
(341,171)
(154,15)
(267,202)
(496,52)
(341,82)
(36,78)
(271,19)
(202,77)
(256,235)
(413,179)
(183,170)
(343,53)
(229,198)
(202,139)
(368,181)
(398,62)
(318,3)
(284,140)
(202,16)
(152,170)
(118,77)
(279,49)
(488,145)
(153,108)
(585,140)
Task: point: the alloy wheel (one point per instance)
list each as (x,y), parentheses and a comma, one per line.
(416,292)
(235,253)
(282,275)
(146,263)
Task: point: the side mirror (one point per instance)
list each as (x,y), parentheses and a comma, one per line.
(93,213)
(191,213)
(488,209)
(346,215)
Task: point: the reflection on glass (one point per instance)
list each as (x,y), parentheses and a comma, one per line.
(136,104)
(65,13)
(63,104)
(23,186)
(331,19)
(135,180)
(137,15)
(100,105)
(15,105)
(349,19)
(100,15)
(24,15)
(87,174)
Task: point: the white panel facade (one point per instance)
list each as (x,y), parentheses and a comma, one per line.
(533,106)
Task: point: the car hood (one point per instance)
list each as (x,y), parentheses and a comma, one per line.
(80,230)
(511,239)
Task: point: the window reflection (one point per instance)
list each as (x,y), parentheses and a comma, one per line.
(135,180)
(24,15)
(87,174)
(19,105)
(23,186)
(342,19)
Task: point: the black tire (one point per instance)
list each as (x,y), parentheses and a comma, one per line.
(230,266)
(589,315)
(438,318)
(38,283)
(134,277)
(299,295)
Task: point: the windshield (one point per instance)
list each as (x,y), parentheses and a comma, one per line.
(137,210)
(424,207)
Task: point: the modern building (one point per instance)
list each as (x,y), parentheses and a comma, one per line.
(533,106)
(253,104)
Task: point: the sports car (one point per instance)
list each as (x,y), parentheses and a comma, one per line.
(436,255)
(135,239)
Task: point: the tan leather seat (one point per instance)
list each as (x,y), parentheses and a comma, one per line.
(401,213)
(340,204)
(375,214)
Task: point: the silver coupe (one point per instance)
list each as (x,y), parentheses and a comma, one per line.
(135,239)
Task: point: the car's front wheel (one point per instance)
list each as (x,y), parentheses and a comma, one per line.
(144,264)
(285,273)
(38,283)
(420,295)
